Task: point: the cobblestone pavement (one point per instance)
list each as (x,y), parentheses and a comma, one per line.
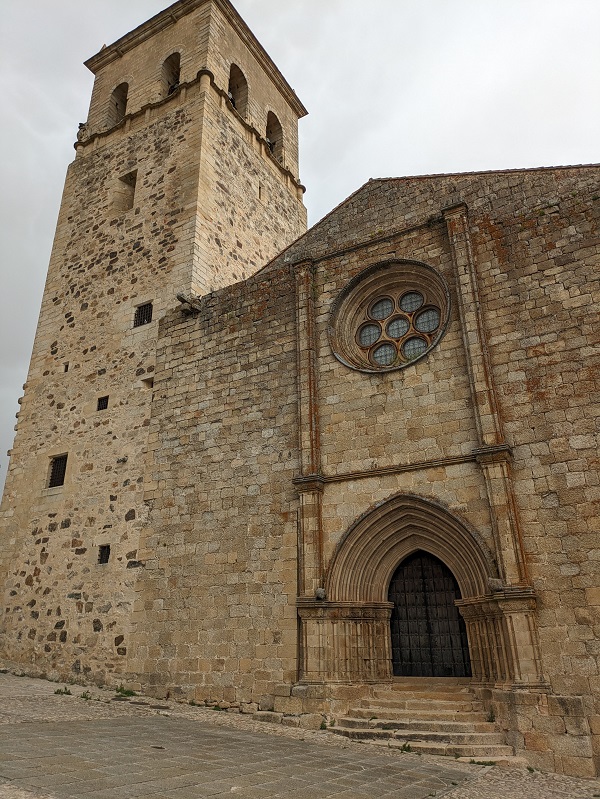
(58,746)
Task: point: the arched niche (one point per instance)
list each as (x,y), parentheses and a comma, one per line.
(369,553)
(237,91)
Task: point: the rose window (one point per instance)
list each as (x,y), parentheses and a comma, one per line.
(398,329)
(389,316)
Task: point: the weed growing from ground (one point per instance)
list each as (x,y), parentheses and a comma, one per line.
(122,691)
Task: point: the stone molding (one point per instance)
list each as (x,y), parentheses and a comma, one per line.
(368,554)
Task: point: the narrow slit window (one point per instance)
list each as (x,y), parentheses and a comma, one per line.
(143,315)
(66,366)
(58,470)
(103,553)
(102,404)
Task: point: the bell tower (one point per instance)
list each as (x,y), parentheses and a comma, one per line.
(185,180)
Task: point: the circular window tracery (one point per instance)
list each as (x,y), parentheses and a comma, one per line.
(389,316)
(368,334)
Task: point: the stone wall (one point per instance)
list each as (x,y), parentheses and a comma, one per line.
(63,611)
(165,202)
(235,423)
(216,612)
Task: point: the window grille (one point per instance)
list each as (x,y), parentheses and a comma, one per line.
(58,468)
(102,403)
(143,315)
(103,553)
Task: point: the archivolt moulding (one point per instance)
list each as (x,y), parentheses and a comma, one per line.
(369,553)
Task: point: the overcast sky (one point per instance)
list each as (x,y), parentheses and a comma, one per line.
(393,87)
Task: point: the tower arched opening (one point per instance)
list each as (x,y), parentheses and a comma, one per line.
(171,71)
(118,104)
(237,91)
(274,136)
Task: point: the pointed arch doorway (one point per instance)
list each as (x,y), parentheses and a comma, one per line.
(429,637)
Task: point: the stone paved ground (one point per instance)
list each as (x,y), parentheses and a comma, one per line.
(54,747)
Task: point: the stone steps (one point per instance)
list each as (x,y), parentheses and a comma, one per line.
(410,724)
(440,717)
(373,712)
(408,703)
(465,736)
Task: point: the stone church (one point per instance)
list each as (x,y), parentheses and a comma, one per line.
(342,474)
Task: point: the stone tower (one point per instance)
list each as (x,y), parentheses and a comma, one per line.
(185,180)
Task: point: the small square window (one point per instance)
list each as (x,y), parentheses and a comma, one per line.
(143,314)
(102,403)
(58,469)
(103,553)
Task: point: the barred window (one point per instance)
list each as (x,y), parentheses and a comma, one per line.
(143,314)
(102,404)
(58,469)
(103,553)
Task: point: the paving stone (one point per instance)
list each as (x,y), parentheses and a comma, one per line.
(73,750)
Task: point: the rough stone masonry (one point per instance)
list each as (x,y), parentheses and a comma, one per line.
(287,481)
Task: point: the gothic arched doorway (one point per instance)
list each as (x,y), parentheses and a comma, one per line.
(429,637)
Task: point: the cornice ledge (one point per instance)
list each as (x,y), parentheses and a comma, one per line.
(455,209)
(310,482)
(175,12)
(497,453)
(144,31)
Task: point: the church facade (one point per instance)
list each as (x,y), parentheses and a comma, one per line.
(263,466)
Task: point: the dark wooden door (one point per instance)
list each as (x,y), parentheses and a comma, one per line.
(429,638)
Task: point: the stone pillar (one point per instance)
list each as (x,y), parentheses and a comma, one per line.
(493,453)
(502,630)
(310,483)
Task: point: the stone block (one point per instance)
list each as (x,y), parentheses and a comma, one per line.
(592,596)
(311,721)
(536,742)
(310,691)
(291,721)
(265,715)
(571,745)
(287,704)
(576,766)
(549,724)
(266,703)
(594,722)
(565,706)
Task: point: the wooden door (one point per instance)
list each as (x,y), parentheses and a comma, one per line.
(429,638)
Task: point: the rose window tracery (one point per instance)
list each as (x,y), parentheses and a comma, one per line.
(398,329)
(389,316)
